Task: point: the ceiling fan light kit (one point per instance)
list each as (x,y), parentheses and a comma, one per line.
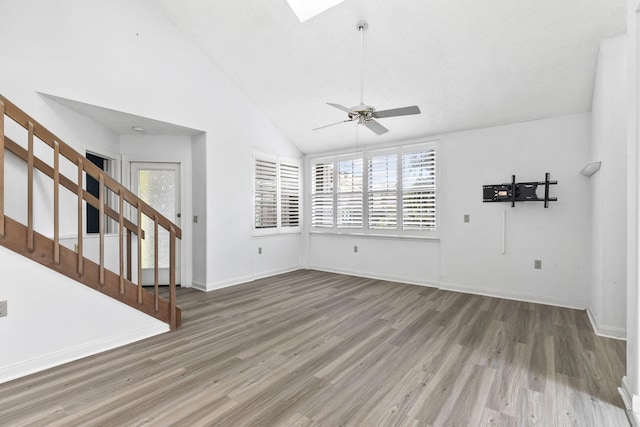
(366,114)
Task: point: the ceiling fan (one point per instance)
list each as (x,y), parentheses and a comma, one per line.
(366,114)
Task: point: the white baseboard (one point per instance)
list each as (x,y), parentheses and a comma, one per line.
(606,331)
(517,296)
(46,361)
(199,285)
(245,279)
(387,277)
(631,402)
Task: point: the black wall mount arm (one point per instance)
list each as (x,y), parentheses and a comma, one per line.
(519,192)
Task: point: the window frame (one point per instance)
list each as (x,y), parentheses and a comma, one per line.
(278,160)
(366,156)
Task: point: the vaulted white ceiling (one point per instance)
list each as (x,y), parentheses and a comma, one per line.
(466,63)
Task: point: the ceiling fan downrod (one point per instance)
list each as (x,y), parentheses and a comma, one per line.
(362,26)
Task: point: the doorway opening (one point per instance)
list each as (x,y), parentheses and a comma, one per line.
(93,187)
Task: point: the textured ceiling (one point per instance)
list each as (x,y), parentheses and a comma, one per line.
(466,64)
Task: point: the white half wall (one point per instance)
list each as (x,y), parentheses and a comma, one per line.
(72,321)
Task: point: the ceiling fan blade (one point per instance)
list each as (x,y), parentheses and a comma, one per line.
(341,107)
(404,111)
(376,127)
(332,124)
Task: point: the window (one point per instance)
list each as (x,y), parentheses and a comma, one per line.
(383,193)
(349,201)
(379,192)
(276,194)
(419,190)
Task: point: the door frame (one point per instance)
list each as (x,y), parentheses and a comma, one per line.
(113,170)
(136,167)
(186,260)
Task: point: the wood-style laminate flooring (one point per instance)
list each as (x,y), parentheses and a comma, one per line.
(317,349)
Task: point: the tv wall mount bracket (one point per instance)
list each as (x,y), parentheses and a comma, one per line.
(519,192)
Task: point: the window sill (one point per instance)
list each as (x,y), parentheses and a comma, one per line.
(434,236)
(275,233)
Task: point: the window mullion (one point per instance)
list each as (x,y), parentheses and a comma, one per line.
(399,198)
(335,195)
(278,195)
(365,193)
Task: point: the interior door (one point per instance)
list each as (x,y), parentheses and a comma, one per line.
(158,184)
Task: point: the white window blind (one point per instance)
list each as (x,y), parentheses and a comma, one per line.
(349,200)
(289,194)
(419,190)
(382,192)
(390,192)
(276,194)
(322,195)
(266,193)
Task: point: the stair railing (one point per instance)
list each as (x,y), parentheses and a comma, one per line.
(166,311)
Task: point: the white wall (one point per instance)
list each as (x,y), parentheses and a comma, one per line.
(125,55)
(402,260)
(472,258)
(73,322)
(609,189)
(630,389)
(199,209)
(469,256)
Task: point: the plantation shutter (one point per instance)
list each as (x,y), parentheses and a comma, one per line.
(419,190)
(349,194)
(266,193)
(289,194)
(382,192)
(322,195)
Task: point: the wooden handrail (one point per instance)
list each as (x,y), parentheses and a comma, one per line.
(94,171)
(35,130)
(68,184)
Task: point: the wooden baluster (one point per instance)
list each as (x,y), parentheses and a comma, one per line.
(1,169)
(30,236)
(80,218)
(120,238)
(155,261)
(172,279)
(139,206)
(56,202)
(101,197)
(129,268)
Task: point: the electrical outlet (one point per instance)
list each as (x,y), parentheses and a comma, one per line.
(259,251)
(75,247)
(466,217)
(355,249)
(537,264)
(3,308)
(195,219)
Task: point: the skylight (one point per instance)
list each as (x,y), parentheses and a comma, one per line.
(306,9)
